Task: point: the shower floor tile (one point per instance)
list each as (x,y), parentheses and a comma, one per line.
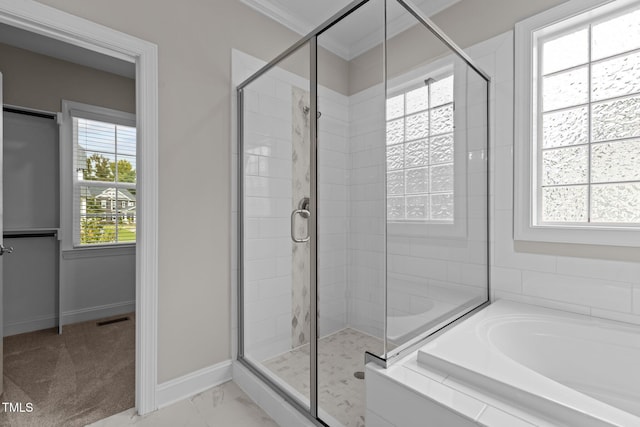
(340,355)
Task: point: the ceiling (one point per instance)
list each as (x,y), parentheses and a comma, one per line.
(55,48)
(358,33)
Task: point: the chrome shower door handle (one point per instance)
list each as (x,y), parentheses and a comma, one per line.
(304,214)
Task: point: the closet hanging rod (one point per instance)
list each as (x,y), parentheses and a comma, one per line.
(23,235)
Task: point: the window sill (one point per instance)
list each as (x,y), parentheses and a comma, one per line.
(601,236)
(99,251)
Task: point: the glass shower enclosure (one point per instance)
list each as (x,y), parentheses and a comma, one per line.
(362,203)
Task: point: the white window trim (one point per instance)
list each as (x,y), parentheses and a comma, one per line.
(458,228)
(524,145)
(71,109)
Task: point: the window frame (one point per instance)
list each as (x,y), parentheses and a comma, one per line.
(69,215)
(456,229)
(527,208)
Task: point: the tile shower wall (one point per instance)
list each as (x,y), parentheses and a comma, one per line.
(597,287)
(268,199)
(300,187)
(430,276)
(426,276)
(367,206)
(333,193)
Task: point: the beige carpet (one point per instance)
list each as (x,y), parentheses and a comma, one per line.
(73,379)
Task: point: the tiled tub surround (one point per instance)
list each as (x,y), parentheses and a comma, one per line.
(590,285)
(605,282)
(514,364)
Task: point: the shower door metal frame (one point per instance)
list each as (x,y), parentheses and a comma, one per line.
(312,38)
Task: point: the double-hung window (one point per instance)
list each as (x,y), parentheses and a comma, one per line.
(420,153)
(579,114)
(103,175)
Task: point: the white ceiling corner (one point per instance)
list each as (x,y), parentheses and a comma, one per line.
(363,33)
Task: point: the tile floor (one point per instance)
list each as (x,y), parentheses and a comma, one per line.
(340,355)
(340,393)
(222,406)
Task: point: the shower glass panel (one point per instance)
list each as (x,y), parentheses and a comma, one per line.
(351,202)
(276,219)
(363,171)
(436,172)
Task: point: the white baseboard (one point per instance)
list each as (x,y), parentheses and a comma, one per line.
(271,402)
(36,324)
(68,317)
(191,384)
(98,312)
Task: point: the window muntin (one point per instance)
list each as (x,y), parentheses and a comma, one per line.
(104,182)
(587,155)
(420,153)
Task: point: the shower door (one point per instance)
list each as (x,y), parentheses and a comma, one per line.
(277,224)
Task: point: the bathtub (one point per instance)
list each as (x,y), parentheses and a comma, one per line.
(571,369)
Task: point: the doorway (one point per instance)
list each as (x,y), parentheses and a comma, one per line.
(62,27)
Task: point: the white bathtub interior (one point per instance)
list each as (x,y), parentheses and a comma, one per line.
(575,367)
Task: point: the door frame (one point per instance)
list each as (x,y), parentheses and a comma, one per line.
(53,23)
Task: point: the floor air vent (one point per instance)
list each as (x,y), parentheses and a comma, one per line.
(111,321)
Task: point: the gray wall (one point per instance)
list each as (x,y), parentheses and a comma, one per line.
(94,284)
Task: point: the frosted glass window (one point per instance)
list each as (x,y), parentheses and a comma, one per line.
(565,204)
(616,203)
(417,126)
(566,127)
(420,152)
(565,89)
(442,149)
(395,131)
(616,35)
(566,51)
(561,166)
(395,207)
(442,178)
(418,100)
(615,161)
(395,182)
(615,77)
(442,119)
(588,133)
(616,119)
(417,180)
(395,107)
(417,153)
(418,207)
(395,156)
(442,92)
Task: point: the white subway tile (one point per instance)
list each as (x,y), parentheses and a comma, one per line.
(506,279)
(599,269)
(595,293)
